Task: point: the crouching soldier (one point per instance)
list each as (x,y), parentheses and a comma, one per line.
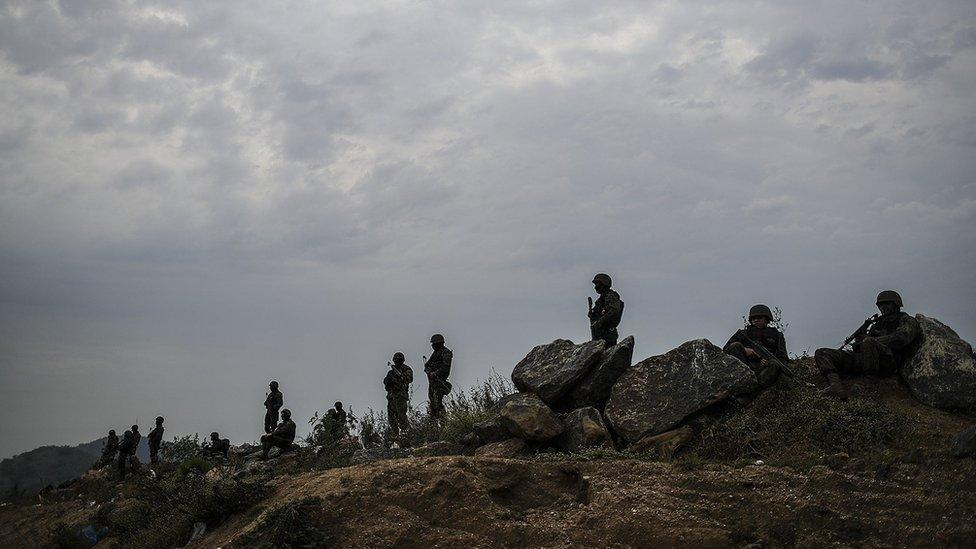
(282,437)
(397,384)
(219,447)
(880,346)
(759,345)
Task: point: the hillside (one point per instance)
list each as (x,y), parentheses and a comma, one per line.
(790,468)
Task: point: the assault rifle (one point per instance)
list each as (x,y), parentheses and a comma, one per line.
(862,331)
(767,355)
(589,305)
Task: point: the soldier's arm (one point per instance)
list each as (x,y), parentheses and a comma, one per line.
(736,338)
(906,333)
(781,348)
(611,309)
(446,361)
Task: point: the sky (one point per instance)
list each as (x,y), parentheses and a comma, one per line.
(198,197)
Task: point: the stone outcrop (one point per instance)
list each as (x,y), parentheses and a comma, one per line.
(490,430)
(594,389)
(964,444)
(507,448)
(656,394)
(583,428)
(528,418)
(942,373)
(553,370)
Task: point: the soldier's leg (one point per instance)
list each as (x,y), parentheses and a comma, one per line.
(766,373)
(737,350)
(833,362)
(873,358)
(265,446)
(436,398)
(392,416)
(122,463)
(401,409)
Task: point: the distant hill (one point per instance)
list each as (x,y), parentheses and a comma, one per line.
(33,470)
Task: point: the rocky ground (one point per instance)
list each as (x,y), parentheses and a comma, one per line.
(910,493)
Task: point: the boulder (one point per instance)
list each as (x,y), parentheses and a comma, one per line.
(508,448)
(594,389)
(583,428)
(656,394)
(553,370)
(490,430)
(528,418)
(964,445)
(942,373)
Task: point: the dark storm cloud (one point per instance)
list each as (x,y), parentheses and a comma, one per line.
(198,196)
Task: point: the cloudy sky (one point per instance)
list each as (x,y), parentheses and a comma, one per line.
(196,197)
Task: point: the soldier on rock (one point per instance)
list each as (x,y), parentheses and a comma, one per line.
(605,314)
(880,346)
(219,447)
(759,345)
(438,368)
(282,437)
(397,384)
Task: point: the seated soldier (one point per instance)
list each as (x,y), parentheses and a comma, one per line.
(745,345)
(879,348)
(337,418)
(219,447)
(282,437)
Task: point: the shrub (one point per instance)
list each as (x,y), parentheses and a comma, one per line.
(289,526)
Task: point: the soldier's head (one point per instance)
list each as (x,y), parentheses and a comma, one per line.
(135,428)
(398,358)
(214,435)
(111,432)
(338,405)
(273,385)
(760,316)
(159,420)
(286,414)
(889,301)
(437,341)
(602,283)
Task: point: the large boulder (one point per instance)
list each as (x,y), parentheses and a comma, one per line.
(552,370)
(656,394)
(942,373)
(594,389)
(507,448)
(583,428)
(528,418)
(490,430)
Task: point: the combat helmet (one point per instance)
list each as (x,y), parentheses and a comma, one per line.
(889,295)
(760,310)
(399,355)
(604,279)
(437,338)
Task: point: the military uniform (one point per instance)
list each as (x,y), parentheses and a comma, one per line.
(438,368)
(282,437)
(273,403)
(770,338)
(606,312)
(155,438)
(397,383)
(337,417)
(127,452)
(108,452)
(889,342)
(219,446)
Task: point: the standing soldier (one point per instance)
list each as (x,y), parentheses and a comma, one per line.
(438,368)
(108,452)
(606,312)
(155,438)
(754,343)
(881,345)
(397,383)
(272,403)
(127,450)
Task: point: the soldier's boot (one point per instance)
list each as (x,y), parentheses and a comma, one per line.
(836,388)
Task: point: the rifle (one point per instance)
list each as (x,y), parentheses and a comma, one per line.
(860,332)
(767,355)
(589,313)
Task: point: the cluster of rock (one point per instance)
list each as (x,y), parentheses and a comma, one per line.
(575,396)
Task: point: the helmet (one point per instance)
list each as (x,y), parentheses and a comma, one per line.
(760,310)
(274,384)
(398,355)
(603,278)
(286,413)
(889,295)
(159,419)
(214,435)
(437,338)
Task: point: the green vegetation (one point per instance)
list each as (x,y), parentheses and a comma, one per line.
(289,526)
